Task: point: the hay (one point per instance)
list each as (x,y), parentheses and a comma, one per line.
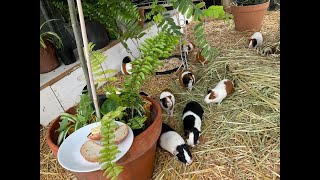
(50,168)
(240,139)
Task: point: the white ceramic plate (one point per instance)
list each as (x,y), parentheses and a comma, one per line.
(69,155)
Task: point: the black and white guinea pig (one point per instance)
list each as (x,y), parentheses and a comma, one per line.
(192,118)
(187,79)
(126,66)
(188,47)
(167,101)
(224,88)
(255,40)
(172,142)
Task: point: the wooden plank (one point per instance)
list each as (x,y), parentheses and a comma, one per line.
(60,76)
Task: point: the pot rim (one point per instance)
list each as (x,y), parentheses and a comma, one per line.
(155,105)
(256,7)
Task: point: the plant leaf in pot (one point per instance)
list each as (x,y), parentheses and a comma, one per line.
(49,43)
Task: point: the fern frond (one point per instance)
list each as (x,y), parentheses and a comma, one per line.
(187,8)
(109,151)
(142,67)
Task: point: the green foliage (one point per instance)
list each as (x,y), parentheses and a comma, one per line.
(110,12)
(155,13)
(217,12)
(52,37)
(109,105)
(109,151)
(62,7)
(137,122)
(186,7)
(151,49)
(162,19)
(97,58)
(70,123)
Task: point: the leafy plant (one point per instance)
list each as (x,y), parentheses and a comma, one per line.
(142,67)
(249,2)
(109,151)
(99,74)
(70,123)
(217,12)
(50,36)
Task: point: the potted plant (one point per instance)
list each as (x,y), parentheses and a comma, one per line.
(49,43)
(248,14)
(138,161)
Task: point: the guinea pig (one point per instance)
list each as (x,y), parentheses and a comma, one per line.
(167,101)
(187,79)
(200,58)
(188,47)
(223,89)
(172,142)
(192,118)
(255,40)
(126,66)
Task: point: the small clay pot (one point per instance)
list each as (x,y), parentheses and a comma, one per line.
(48,58)
(249,17)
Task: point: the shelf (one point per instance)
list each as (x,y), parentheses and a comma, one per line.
(50,78)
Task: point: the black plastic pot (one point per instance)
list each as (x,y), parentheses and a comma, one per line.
(97,34)
(67,56)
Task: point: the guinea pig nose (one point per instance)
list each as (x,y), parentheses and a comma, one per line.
(188,163)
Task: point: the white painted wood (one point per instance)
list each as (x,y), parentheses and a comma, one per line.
(68,89)
(49,106)
(46,77)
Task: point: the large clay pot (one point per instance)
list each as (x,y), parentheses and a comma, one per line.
(48,58)
(249,17)
(138,162)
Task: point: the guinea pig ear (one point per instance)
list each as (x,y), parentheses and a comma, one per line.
(212,95)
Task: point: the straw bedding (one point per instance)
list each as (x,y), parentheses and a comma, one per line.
(240,138)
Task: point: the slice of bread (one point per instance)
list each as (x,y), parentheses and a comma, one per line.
(90,151)
(95,136)
(121,133)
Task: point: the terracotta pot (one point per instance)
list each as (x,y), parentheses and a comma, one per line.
(138,162)
(249,17)
(48,59)
(52,135)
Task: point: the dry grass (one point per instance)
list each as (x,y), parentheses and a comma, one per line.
(240,138)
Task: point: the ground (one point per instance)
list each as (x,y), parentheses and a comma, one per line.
(240,138)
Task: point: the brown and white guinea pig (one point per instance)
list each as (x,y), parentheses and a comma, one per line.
(167,101)
(187,79)
(172,142)
(255,40)
(192,118)
(126,66)
(223,89)
(188,47)
(200,58)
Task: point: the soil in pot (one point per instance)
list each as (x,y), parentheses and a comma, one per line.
(48,58)
(249,17)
